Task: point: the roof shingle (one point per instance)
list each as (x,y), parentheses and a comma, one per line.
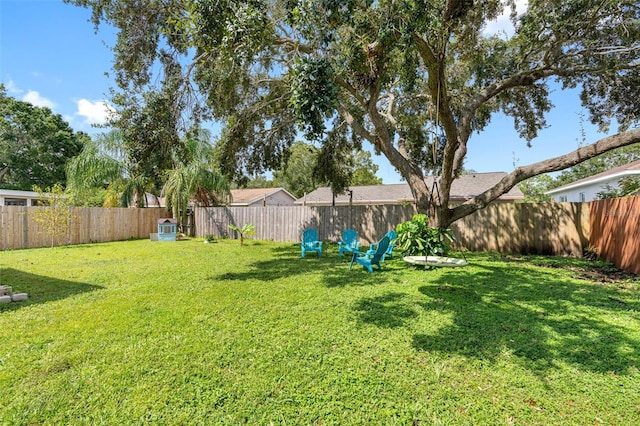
(463,188)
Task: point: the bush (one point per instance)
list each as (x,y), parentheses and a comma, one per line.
(417,238)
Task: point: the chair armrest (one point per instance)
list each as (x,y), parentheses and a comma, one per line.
(372,248)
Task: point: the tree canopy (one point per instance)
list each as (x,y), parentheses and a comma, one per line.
(108,162)
(35,144)
(414,78)
(103,163)
(302,172)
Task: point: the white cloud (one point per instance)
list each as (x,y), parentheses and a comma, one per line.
(34,98)
(503,24)
(12,89)
(94,112)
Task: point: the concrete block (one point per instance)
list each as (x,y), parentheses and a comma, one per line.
(17,297)
(5,299)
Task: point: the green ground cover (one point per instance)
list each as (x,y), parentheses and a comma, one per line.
(143,332)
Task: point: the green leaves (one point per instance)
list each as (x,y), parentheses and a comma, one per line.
(246,229)
(56,216)
(313,95)
(395,72)
(35,143)
(417,238)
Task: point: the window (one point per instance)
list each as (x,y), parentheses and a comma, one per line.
(581,197)
(15,202)
(562,199)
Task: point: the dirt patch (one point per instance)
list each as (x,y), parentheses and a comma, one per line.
(603,275)
(593,270)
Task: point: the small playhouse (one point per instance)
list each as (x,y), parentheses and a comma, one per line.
(167,229)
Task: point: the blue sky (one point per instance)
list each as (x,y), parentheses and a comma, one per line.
(51,56)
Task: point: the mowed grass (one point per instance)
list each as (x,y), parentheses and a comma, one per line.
(187,333)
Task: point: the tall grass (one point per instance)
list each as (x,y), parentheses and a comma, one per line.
(144,332)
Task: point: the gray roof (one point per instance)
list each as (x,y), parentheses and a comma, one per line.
(463,188)
(251,195)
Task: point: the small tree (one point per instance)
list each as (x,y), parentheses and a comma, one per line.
(54,214)
(535,189)
(247,229)
(628,186)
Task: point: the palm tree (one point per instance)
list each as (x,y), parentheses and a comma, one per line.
(103,162)
(195,178)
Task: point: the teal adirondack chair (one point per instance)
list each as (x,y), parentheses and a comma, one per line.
(392,244)
(310,242)
(349,243)
(368,261)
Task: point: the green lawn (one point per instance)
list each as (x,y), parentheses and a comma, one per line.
(143,332)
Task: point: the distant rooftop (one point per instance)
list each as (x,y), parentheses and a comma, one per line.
(463,188)
(250,195)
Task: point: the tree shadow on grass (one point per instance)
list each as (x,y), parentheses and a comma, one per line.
(537,316)
(358,276)
(287,262)
(389,310)
(39,288)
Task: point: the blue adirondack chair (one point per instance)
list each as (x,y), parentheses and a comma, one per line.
(349,243)
(392,244)
(310,242)
(368,261)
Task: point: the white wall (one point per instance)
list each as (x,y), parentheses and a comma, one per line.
(8,197)
(590,191)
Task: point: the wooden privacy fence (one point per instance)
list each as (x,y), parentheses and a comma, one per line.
(615,231)
(526,228)
(549,228)
(286,223)
(88,225)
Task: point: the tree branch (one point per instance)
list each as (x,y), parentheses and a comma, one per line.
(551,165)
(294,44)
(352,90)
(357,127)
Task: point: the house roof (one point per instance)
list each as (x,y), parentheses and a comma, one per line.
(628,169)
(15,193)
(463,188)
(251,195)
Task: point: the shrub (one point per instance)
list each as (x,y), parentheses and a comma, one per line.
(417,238)
(54,214)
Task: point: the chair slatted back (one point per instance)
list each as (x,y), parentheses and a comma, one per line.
(381,250)
(309,235)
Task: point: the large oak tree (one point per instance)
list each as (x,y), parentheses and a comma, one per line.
(35,144)
(414,78)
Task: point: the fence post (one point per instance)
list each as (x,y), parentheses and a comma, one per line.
(25,228)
